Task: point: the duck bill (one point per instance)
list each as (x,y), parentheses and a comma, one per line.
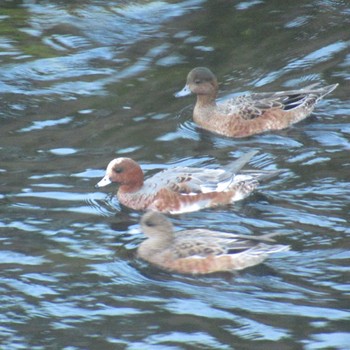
(104,182)
(184,92)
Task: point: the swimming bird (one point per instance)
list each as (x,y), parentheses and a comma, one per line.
(248,114)
(201,251)
(182,189)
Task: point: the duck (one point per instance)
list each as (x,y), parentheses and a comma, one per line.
(182,189)
(248,114)
(201,251)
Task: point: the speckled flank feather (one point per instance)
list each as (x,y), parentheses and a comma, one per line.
(249,114)
(201,251)
(181,189)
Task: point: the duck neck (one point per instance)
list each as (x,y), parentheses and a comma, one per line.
(161,243)
(206,100)
(154,246)
(130,187)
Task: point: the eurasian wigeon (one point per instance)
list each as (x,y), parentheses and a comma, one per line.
(248,114)
(201,251)
(182,189)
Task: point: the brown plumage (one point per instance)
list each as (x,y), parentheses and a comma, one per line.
(249,114)
(201,251)
(182,189)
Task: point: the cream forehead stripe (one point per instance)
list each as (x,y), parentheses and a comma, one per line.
(115,162)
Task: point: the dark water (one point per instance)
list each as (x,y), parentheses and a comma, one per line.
(82,82)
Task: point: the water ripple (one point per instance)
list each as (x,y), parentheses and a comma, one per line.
(84,82)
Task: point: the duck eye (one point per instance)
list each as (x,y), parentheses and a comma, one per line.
(118,170)
(197,81)
(150,223)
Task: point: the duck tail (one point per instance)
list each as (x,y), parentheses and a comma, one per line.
(235,166)
(270,249)
(326,90)
(266,238)
(262,175)
(318,92)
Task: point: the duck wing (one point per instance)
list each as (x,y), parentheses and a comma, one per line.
(202,242)
(254,105)
(194,180)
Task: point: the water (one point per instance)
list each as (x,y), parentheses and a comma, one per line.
(82,82)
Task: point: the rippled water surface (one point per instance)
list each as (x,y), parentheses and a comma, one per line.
(82,82)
